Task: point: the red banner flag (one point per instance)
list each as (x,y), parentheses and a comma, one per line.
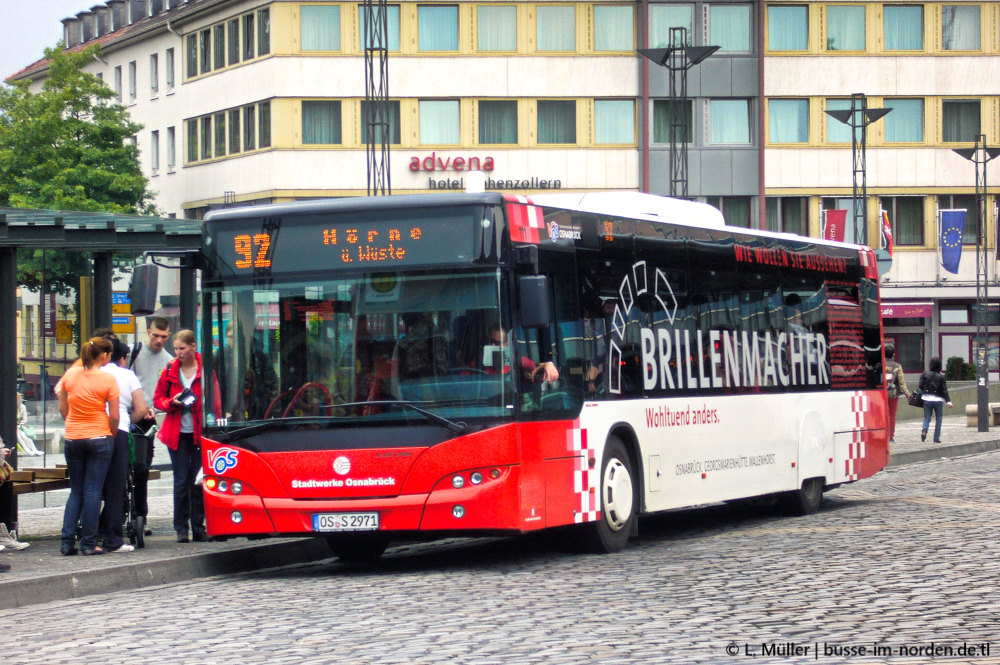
(834,224)
(886,233)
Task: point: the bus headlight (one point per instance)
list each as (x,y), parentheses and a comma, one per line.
(237,487)
(223,485)
(236,517)
(458,482)
(458,511)
(476,478)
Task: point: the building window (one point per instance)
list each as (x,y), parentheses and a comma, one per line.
(910,350)
(614,121)
(960,27)
(191,55)
(729,27)
(556,121)
(171,148)
(905,123)
(133,74)
(392,18)
(205,50)
(614,28)
(788,120)
(845,28)
(498,121)
(729,121)
(906,217)
(233,50)
(496,28)
(321,123)
(320,28)
(439,121)
(663,17)
(118,84)
(234,131)
(264,124)
(960,120)
(250,127)
(219,33)
(220,134)
(555,29)
(966,202)
(154,74)
(169,66)
(787,214)
(663,123)
(206,137)
(904,27)
(263,32)
(788,28)
(735,209)
(392,120)
(249,44)
(154,151)
(954,315)
(836,131)
(192,140)
(437,28)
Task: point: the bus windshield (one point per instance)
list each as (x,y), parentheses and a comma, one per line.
(363,347)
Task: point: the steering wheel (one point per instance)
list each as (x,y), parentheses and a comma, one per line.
(301,391)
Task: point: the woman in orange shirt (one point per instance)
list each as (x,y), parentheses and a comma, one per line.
(88,402)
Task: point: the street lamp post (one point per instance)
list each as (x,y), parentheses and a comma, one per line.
(979,155)
(678,58)
(859,116)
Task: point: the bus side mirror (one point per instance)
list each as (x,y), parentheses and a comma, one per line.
(142,289)
(534,301)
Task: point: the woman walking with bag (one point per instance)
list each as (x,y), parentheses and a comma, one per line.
(88,401)
(178,394)
(934,391)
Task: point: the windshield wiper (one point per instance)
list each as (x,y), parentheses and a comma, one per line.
(279,423)
(450,425)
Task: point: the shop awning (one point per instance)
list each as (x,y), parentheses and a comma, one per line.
(906,309)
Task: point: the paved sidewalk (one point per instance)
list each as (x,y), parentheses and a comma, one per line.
(41,575)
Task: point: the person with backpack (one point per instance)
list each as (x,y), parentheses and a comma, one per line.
(934,390)
(148,362)
(895,385)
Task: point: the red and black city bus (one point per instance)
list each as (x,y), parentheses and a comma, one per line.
(420,366)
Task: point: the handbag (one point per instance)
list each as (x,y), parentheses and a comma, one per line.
(915,399)
(6,472)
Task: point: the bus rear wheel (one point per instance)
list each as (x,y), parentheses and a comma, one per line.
(803,501)
(611,531)
(357,549)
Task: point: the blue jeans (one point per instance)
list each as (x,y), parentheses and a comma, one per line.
(189,502)
(112,516)
(87,461)
(937,408)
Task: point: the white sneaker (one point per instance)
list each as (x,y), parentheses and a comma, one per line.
(124,549)
(9,539)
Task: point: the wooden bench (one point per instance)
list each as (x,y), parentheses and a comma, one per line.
(29,481)
(972,414)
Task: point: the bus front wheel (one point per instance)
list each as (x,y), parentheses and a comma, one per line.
(611,531)
(804,501)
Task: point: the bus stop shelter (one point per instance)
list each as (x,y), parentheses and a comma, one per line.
(102,235)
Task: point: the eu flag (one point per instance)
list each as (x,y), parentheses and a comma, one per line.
(952,222)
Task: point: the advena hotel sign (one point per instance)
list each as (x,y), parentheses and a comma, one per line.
(446,172)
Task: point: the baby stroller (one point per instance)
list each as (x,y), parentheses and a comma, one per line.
(134,505)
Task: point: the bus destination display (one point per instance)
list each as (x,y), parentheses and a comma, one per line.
(320,244)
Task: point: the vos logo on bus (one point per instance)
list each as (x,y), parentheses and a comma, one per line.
(223,459)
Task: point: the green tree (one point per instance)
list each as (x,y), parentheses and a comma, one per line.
(67,147)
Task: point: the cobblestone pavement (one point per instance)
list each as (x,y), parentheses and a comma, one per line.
(905,562)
